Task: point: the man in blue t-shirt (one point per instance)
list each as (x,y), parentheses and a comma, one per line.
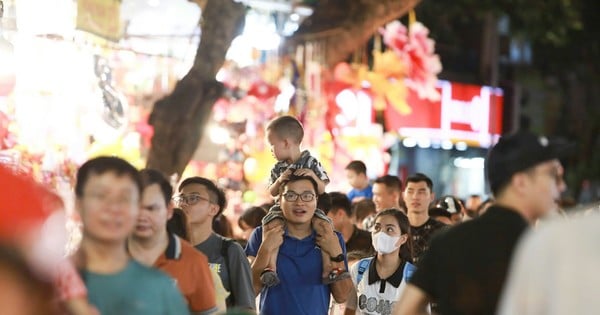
(301,290)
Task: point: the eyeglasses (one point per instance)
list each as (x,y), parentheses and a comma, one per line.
(292,196)
(190,199)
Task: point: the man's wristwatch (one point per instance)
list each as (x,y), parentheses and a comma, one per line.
(338,258)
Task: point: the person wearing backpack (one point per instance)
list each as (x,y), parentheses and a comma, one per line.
(379,280)
(202,200)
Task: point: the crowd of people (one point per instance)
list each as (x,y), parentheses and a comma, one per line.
(385,247)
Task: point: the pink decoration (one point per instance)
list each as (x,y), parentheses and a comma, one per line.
(417,51)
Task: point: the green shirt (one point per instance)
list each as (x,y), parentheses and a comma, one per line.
(135,290)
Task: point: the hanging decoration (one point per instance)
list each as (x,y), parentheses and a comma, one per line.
(416,51)
(387,84)
(409,62)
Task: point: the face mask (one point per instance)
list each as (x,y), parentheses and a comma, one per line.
(385,244)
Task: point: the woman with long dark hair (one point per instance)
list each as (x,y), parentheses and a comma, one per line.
(379,280)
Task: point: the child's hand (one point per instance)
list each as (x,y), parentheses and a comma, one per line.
(306,172)
(285,176)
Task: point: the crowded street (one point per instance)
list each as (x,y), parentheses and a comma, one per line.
(283,157)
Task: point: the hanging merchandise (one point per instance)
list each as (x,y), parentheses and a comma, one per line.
(114,111)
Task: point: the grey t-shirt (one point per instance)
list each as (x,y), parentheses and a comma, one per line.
(237,277)
(135,290)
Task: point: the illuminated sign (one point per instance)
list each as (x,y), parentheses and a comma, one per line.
(465,113)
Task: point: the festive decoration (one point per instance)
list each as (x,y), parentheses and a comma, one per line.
(409,62)
(386,82)
(416,51)
(263,91)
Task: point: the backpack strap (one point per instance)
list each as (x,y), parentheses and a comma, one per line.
(363,265)
(225,243)
(408,271)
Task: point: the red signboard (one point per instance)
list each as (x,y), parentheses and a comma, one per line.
(468,113)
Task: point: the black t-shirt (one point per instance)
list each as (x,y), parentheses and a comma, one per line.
(360,240)
(465,267)
(421,236)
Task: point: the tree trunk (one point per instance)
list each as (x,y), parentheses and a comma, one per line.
(346,25)
(179,118)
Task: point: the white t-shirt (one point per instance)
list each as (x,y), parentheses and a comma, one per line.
(555,270)
(379,296)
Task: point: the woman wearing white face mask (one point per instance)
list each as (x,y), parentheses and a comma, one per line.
(378,281)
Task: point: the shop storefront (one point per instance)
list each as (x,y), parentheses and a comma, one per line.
(448,139)
(73,86)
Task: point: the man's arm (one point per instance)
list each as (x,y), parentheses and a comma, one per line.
(340,289)
(241,278)
(271,240)
(413,301)
(332,244)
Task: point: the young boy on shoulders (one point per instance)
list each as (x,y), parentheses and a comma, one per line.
(285,135)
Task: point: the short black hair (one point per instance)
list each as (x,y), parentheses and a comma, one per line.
(420,177)
(287,127)
(295,178)
(340,201)
(357,166)
(252,216)
(363,209)
(178,224)
(324,202)
(216,194)
(151,177)
(390,181)
(105,164)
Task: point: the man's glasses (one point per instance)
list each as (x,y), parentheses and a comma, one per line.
(292,196)
(189,200)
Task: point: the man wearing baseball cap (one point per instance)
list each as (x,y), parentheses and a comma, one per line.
(465,267)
